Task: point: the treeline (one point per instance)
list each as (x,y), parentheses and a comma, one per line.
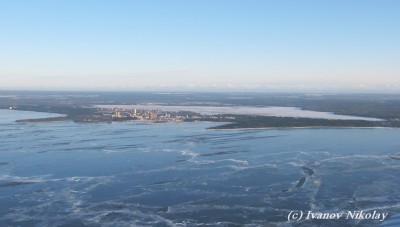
(281,122)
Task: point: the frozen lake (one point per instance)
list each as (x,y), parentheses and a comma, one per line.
(181,174)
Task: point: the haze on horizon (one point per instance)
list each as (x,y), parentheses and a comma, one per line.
(201,45)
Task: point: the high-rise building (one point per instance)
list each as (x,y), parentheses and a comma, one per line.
(117,114)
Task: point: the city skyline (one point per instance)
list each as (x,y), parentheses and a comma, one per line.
(329,46)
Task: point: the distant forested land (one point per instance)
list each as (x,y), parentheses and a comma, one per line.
(289,122)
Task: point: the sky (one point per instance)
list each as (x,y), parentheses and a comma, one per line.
(233,45)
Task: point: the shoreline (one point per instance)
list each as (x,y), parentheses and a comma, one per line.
(61,119)
(150,122)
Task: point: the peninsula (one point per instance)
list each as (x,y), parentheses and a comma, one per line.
(256,111)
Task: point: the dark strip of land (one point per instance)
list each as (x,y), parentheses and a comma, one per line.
(48,119)
(288,122)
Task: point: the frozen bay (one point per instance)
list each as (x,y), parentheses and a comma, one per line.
(177,174)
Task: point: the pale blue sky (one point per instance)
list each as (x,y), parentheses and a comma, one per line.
(200,44)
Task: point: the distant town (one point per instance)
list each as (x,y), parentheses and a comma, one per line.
(157,115)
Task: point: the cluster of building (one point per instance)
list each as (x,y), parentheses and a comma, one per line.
(155,115)
(135,113)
